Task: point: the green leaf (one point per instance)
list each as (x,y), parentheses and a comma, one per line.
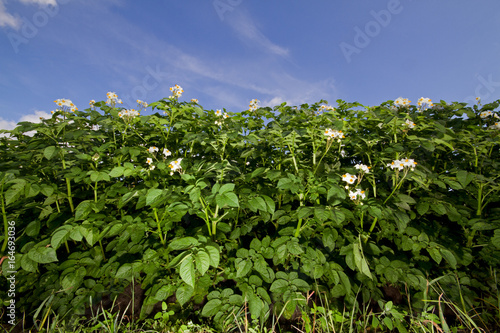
(329,237)
(83,209)
(153,196)
(214,254)
(33,228)
(271,206)
(184,294)
(435,254)
(258,203)
(124,272)
(279,286)
(360,261)
(73,280)
(422,207)
(27,264)
(117,172)
(243,267)
(255,305)
(43,255)
(50,152)
(294,247)
(202,261)
(15,191)
(186,271)
(464,178)
(226,188)
(449,257)
(183,243)
(227,199)
(59,237)
(211,308)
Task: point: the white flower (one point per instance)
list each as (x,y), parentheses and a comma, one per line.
(166,152)
(218,112)
(177,91)
(175,165)
(496,126)
(478,100)
(128,114)
(362,167)
(358,193)
(153,149)
(149,160)
(333,134)
(486,114)
(409,123)
(152,167)
(95,127)
(424,103)
(254,104)
(401,164)
(142,103)
(194,100)
(66,104)
(401,102)
(349,179)
(91,103)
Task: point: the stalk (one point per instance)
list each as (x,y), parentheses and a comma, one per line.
(5,222)
(160,233)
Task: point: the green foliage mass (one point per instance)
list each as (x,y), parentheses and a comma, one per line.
(252,210)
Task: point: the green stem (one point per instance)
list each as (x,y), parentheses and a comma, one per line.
(68,187)
(102,250)
(5,222)
(158,224)
(207,217)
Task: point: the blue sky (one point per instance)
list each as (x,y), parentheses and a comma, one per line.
(227,52)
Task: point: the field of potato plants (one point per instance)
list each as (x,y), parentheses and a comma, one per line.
(310,218)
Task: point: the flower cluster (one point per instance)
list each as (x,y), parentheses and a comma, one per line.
(219,113)
(478,100)
(401,164)
(66,104)
(349,179)
(153,149)
(486,114)
(177,91)
(326,108)
(424,103)
(194,100)
(142,103)
(401,102)
(113,99)
(410,124)
(334,134)
(364,168)
(175,166)
(91,103)
(496,126)
(128,114)
(254,104)
(358,194)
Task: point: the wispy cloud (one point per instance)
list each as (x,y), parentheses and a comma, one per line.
(247,31)
(6,19)
(9,20)
(32,118)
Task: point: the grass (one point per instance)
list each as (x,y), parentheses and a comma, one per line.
(438,314)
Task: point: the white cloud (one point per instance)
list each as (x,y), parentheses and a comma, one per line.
(33,118)
(248,31)
(40,2)
(6,19)
(9,20)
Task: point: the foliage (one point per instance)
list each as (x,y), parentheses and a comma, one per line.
(255,212)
